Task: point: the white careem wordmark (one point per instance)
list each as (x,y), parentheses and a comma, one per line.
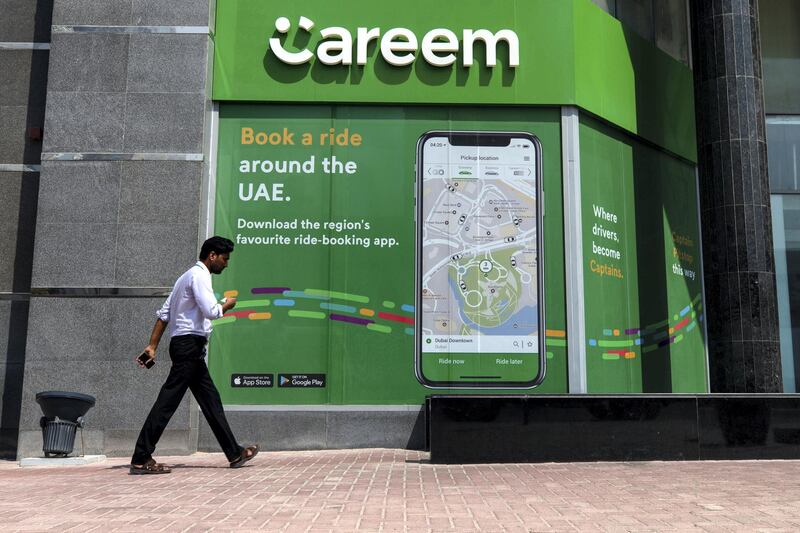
(398,46)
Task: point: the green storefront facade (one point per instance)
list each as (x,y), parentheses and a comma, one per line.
(313,177)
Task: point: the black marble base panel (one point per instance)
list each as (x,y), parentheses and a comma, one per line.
(501,429)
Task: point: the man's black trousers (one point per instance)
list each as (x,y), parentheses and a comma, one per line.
(188,370)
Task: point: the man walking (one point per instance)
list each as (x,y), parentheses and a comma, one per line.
(188,311)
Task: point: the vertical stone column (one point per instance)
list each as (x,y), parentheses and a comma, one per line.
(24,50)
(119,209)
(741,312)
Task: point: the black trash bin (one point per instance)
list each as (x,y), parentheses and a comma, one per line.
(63,415)
(58,437)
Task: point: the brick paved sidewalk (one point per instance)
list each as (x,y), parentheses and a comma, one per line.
(398,490)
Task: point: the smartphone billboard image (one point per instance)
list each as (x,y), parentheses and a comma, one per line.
(479,271)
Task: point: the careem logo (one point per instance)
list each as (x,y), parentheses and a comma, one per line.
(398,46)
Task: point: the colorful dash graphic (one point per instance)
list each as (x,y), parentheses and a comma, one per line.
(666,341)
(379,327)
(338,307)
(616,344)
(304,294)
(622,353)
(269,290)
(653,336)
(364,316)
(396,318)
(652,327)
(351,319)
(682,323)
(238,314)
(338,295)
(294,313)
(252,303)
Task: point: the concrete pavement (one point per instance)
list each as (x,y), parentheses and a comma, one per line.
(398,490)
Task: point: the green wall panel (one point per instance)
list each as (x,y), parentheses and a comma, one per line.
(642,271)
(302,304)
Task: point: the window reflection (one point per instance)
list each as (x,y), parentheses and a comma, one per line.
(662,22)
(780,45)
(786,237)
(783,141)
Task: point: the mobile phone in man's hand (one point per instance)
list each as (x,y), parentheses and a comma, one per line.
(145,359)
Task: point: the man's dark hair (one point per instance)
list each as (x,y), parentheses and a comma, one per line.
(218,245)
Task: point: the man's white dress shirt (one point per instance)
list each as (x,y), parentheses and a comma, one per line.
(191,306)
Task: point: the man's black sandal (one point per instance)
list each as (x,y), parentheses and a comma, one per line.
(150,467)
(247,454)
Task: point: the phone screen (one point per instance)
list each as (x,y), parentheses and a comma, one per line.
(479,276)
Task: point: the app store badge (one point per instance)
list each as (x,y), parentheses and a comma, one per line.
(251,380)
(301,381)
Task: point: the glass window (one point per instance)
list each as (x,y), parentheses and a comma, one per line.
(638,16)
(786,237)
(780,50)
(672,33)
(662,22)
(783,152)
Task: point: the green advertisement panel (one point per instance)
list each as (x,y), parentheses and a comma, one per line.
(319,201)
(641,264)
